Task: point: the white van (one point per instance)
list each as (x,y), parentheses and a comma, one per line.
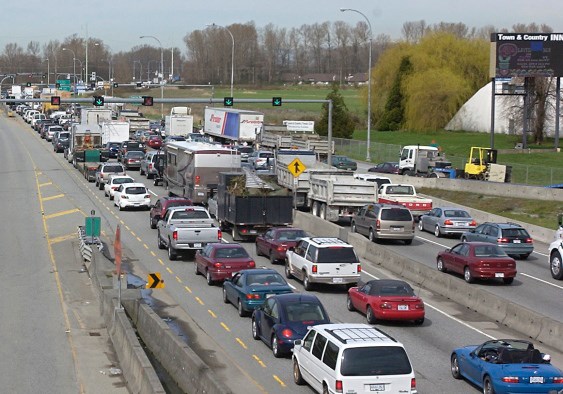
(352,358)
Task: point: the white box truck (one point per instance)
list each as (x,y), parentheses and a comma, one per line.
(114,132)
(179,122)
(228,124)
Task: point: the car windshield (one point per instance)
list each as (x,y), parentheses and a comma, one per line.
(291,235)
(265,279)
(305,312)
(375,360)
(456,213)
(336,254)
(136,190)
(489,251)
(233,253)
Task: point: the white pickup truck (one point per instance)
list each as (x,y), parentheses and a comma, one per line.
(405,195)
(186,228)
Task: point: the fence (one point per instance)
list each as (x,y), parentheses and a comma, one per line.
(521,173)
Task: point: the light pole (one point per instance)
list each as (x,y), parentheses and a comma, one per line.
(81,68)
(232,53)
(48,70)
(140,70)
(161,73)
(73,64)
(368,155)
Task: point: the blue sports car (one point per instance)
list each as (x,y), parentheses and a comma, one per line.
(506,366)
(286,317)
(249,288)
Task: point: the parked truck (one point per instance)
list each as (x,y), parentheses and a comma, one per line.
(426,161)
(336,197)
(233,125)
(179,122)
(186,228)
(405,195)
(248,205)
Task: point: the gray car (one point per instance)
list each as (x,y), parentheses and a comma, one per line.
(148,164)
(447,221)
(383,221)
(511,237)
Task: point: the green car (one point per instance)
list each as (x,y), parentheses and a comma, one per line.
(344,163)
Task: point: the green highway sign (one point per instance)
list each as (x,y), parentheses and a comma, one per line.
(64,84)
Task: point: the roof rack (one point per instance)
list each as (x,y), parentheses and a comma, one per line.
(328,240)
(347,335)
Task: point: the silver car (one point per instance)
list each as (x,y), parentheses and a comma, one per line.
(447,221)
(148,162)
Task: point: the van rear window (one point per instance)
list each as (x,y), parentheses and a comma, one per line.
(336,255)
(398,214)
(376,360)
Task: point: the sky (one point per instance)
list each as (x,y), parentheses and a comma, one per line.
(120,23)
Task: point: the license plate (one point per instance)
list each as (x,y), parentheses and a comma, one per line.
(397,228)
(197,245)
(403,307)
(200,194)
(337,280)
(376,387)
(227,266)
(536,379)
(499,275)
(516,241)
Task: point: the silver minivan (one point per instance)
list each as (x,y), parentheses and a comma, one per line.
(148,162)
(384,221)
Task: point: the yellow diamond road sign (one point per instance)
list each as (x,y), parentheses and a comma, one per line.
(296,167)
(155,281)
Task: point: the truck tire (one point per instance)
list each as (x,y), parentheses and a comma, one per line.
(172,254)
(235,234)
(159,241)
(288,274)
(556,265)
(323,211)
(307,285)
(315,209)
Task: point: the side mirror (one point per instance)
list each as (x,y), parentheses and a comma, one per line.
(472,355)
(291,249)
(298,342)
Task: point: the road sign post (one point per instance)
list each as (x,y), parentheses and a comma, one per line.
(296,167)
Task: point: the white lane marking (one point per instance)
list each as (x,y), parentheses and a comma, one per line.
(541,280)
(153,193)
(446,314)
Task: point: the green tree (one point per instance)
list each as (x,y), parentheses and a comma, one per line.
(394,112)
(343,123)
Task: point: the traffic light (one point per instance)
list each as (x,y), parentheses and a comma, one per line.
(276,101)
(228,101)
(92,85)
(99,101)
(28,84)
(55,100)
(139,84)
(147,101)
(57,85)
(115,85)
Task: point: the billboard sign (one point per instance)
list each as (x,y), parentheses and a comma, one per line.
(300,125)
(526,55)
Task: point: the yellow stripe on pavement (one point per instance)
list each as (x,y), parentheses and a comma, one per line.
(53,197)
(45,184)
(62,238)
(57,214)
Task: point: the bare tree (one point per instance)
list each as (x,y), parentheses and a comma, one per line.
(414,31)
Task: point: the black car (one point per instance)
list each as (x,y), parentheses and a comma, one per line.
(128,146)
(113,149)
(389,167)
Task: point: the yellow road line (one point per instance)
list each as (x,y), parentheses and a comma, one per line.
(169,270)
(53,197)
(62,238)
(279,381)
(45,184)
(212,313)
(225,327)
(146,246)
(241,343)
(57,214)
(254,356)
(199,300)
(188,289)
(178,279)
(161,262)
(153,254)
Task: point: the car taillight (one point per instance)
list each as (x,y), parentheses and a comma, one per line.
(287,333)
(197,180)
(386,305)
(150,166)
(175,235)
(338,386)
(253,296)
(448,222)
(413,384)
(502,240)
(529,241)
(281,248)
(377,224)
(217,265)
(473,223)
(510,379)
(558,379)
(124,196)
(359,268)
(251,264)
(420,305)
(314,268)
(219,234)
(115,187)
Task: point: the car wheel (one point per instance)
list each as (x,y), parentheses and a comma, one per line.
(556,265)
(208,278)
(419,322)
(101,186)
(349,303)
(353,227)
(152,223)
(488,386)
(306,283)
(255,333)
(111,197)
(196,269)
(420,226)
(507,281)
(275,349)
(105,193)
(370,317)
(97,183)
(297,377)
(407,241)
(371,236)
(440,265)
(437,231)
(258,253)
(454,366)
(141,172)
(159,241)
(288,274)
(241,311)
(171,251)
(272,258)
(120,207)
(467,275)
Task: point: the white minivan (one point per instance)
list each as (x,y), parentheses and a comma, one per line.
(352,358)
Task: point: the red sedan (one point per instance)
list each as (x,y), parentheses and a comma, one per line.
(480,260)
(154,141)
(218,261)
(386,299)
(275,242)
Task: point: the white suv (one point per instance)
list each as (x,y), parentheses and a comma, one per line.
(323,260)
(352,358)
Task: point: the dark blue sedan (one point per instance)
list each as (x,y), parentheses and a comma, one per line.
(249,288)
(506,366)
(284,318)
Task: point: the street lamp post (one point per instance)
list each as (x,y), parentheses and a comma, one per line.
(73,64)
(161,73)
(232,53)
(48,70)
(140,70)
(368,155)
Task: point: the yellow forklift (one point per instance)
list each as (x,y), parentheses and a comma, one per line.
(482,165)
